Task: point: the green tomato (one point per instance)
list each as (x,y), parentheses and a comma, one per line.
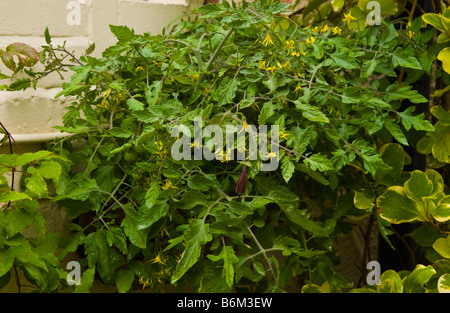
(136,175)
(139,148)
(130,157)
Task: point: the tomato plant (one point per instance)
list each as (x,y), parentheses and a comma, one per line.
(152,220)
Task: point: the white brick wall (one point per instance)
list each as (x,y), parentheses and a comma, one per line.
(33,112)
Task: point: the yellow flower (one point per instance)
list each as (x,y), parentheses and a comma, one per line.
(271,155)
(310,40)
(159,146)
(158,259)
(262,64)
(144,283)
(271,69)
(283,135)
(244,126)
(193,76)
(324,29)
(290,45)
(168,185)
(104,104)
(106,93)
(336,30)
(267,40)
(411,34)
(348,18)
(315,29)
(139,68)
(297,89)
(196,144)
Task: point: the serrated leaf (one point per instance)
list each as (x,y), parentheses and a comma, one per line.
(197,235)
(319,162)
(122,32)
(396,132)
(287,168)
(228,91)
(135,105)
(416,121)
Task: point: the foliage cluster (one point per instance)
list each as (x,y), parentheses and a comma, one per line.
(145,220)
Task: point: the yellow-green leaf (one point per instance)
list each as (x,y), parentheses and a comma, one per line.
(444,57)
(396,207)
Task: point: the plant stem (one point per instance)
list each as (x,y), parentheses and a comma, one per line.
(263,251)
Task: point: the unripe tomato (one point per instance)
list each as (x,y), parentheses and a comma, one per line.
(130,157)
(139,148)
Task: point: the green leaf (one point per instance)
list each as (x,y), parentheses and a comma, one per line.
(80,74)
(402,58)
(122,32)
(35,183)
(12,196)
(136,235)
(364,199)
(152,92)
(101,255)
(344,61)
(441,148)
(287,168)
(416,121)
(86,281)
(266,112)
(300,218)
(414,282)
(196,236)
(124,280)
(444,283)
(311,113)
(396,207)
(418,186)
(319,162)
(6,261)
(202,182)
(396,132)
(229,258)
(439,112)
(442,212)
(390,282)
(394,92)
(438,21)
(442,246)
(149,216)
(3,76)
(228,91)
(135,105)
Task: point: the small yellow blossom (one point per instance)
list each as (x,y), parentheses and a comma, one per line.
(310,40)
(324,29)
(196,144)
(411,34)
(262,64)
(168,185)
(144,283)
(139,68)
(106,93)
(271,69)
(104,104)
(297,89)
(193,76)
(316,29)
(159,146)
(267,40)
(336,30)
(158,259)
(348,18)
(244,126)
(290,45)
(283,135)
